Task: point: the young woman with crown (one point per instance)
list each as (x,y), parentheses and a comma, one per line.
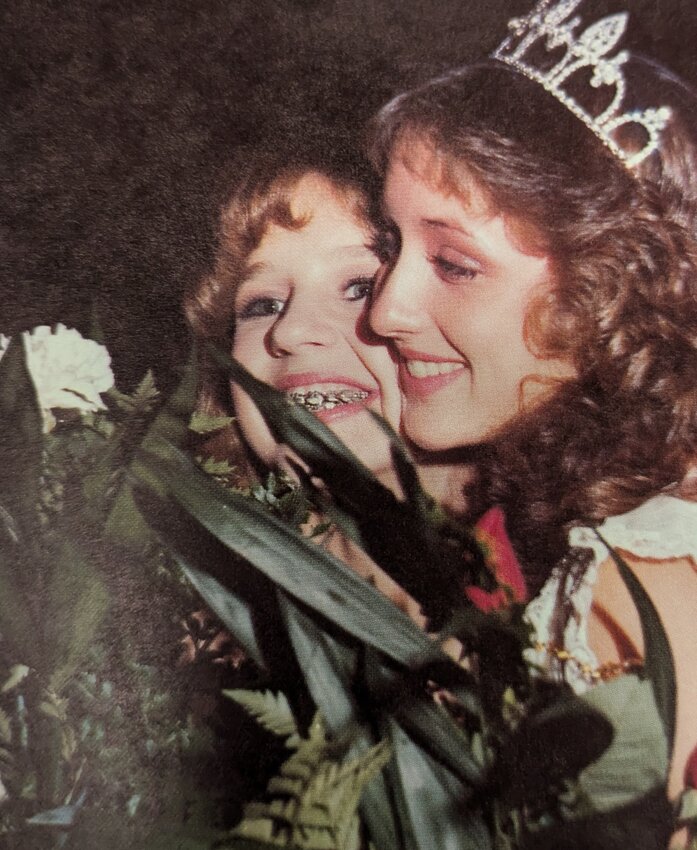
(540,293)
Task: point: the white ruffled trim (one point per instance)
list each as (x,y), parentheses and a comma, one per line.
(539,615)
(662,528)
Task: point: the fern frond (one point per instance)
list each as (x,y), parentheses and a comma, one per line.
(204,423)
(271,711)
(146,393)
(141,400)
(314,799)
(214,467)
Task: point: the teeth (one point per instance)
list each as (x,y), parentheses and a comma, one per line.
(315,400)
(429,368)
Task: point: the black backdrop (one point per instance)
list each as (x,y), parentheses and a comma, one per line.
(120,119)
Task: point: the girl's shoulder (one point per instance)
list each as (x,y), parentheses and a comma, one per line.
(664,527)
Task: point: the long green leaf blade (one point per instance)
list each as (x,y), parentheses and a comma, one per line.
(299,566)
(413,544)
(432,801)
(124,522)
(658,658)
(230,608)
(329,668)
(21,443)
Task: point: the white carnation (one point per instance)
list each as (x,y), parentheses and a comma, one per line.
(68,370)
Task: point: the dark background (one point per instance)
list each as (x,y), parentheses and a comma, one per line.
(121,120)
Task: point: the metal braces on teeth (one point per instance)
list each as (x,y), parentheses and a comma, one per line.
(314,400)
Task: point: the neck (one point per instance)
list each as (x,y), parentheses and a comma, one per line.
(445,482)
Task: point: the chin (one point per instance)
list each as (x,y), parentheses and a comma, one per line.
(429,434)
(377,462)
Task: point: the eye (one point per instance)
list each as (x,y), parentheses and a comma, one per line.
(452,272)
(259,308)
(359,288)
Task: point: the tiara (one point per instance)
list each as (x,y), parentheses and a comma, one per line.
(587,50)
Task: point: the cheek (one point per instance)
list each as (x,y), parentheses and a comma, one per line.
(378,361)
(249,348)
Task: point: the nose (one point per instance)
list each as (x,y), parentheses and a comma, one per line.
(299,326)
(396,310)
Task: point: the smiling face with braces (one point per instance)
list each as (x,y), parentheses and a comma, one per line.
(300,325)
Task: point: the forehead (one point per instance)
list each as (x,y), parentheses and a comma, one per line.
(325,229)
(417,158)
(314,196)
(445,186)
(418,176)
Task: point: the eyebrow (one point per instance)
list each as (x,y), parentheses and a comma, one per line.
(352,250)
(252,270)
(259,269)
(445,224)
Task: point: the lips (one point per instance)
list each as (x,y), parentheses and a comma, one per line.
(422,374)
(430,368)
(316,399)
(327,396)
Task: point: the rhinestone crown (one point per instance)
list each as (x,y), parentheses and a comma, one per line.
(589,49)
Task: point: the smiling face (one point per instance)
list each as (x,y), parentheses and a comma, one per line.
(299,325)
(455,304)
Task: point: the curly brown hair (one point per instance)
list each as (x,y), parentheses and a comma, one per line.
(261,196)
(624,306)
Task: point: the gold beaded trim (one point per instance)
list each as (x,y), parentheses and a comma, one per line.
(604,673)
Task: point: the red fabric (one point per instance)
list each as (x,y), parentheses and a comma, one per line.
(500,558)
(690,776)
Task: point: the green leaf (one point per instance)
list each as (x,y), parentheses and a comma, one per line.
(21,444)
(141,401)
(432,803)
(553,744)
(658,658)
(637,761)
(16,609)
(124,523)
(205,423)
(403,697)
(23,558)
(361,503)
(146,393)
(231,608)
(172,422)
(287,558)
(434,730)
(271,710)
(313,800)
(74,606)
(329,668)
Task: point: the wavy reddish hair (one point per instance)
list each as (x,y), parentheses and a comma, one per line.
(624,308)
(260,197)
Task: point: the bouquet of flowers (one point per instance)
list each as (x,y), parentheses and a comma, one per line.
(391,741)
(503,758)
(99,745)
